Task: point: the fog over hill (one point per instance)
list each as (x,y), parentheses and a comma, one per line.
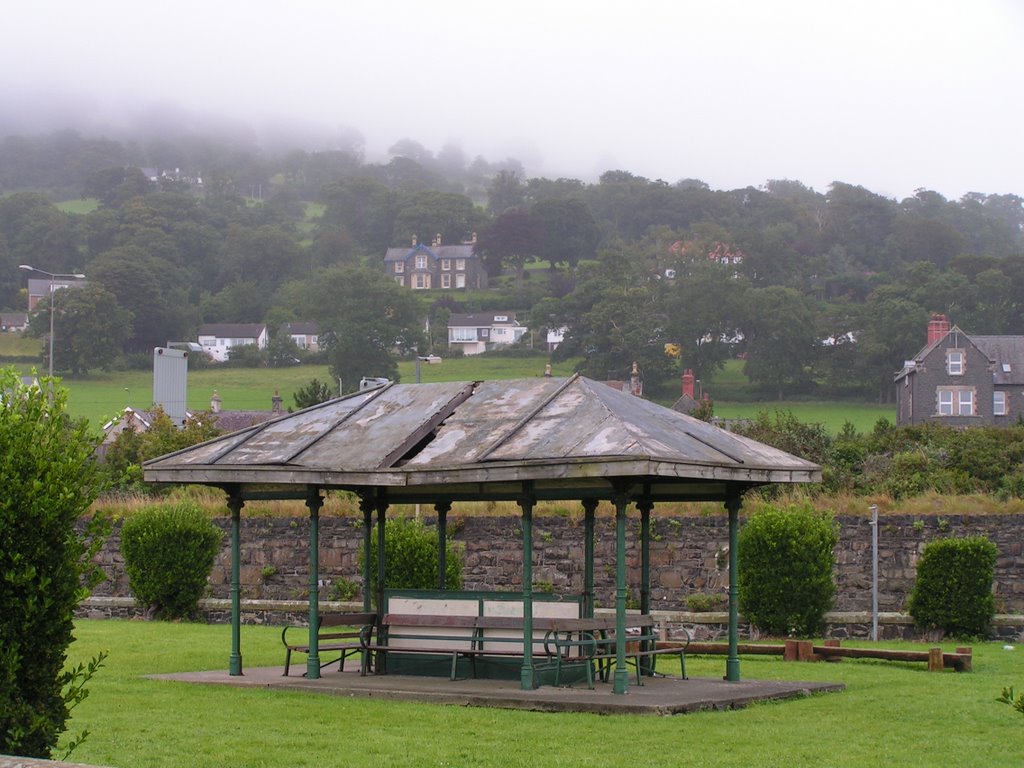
(891,96)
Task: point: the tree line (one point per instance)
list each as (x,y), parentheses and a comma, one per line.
(820,293)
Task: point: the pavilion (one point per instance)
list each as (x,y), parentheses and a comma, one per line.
(523,440)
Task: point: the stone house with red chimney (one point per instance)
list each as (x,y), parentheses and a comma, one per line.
(962,380)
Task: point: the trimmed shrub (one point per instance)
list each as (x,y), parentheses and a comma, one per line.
(953,590)
(48,480)
(785,575)
(410,552)
(168,554)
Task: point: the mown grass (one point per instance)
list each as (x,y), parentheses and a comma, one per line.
(890,714)
(101,395)
(80,206)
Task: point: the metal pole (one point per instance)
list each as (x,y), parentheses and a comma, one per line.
(732,664)
(589,508)
(442,508)
(874,571)
(51,326)
(526,676)
(235,504)
(314,502)
(620,681)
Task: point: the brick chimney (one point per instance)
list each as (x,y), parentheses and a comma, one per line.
(938,327)
(688,380)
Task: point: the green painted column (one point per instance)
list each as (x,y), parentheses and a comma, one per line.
(620,683)
(442,508)
(367,508)
(382,512)
(314,501)
(527,679)
(589,508)
(235,505)
(732,664)
(645,508)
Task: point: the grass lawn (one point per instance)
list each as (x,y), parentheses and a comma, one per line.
(100,395)
(891,714)
(80,206)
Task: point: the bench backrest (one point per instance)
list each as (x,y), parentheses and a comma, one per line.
(413,630)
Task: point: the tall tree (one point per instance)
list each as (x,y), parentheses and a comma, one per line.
(366,321)
(781,345)
(512,241)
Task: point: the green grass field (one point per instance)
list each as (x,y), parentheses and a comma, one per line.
(101,395)
(891,714)
(79,206)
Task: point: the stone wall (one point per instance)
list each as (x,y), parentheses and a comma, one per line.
(687,557)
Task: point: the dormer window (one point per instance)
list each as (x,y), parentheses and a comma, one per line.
(501,318)
(955,362)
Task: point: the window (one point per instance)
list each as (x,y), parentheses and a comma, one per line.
(998,403)
(446,280)
(966,401)
(400,280)
(955,401)
(463,334)
(460,281)
(501,318)
(421,261)
(945,402)
(484,333)
(460,263)
(446,265)
(421,281)
(954,362)
(399,267)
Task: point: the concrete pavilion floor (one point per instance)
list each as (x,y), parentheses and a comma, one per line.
(657,696)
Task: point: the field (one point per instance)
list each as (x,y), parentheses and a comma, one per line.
(101,395)
(891,714)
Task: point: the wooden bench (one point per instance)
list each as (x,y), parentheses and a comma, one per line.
(344,633)
(423,634)
(595,641)
(467,637)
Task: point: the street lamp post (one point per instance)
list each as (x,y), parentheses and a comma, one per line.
(52,277)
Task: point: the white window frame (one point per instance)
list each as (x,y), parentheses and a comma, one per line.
(400,280)
(460,264)
(463,334)
(421,282)
(421,261)
(446,265)
(955,362)
(999,403)
(460,281)
(399,267)
(446,280)
(965,401)
(945,402)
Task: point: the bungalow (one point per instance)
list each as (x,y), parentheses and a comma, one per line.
(13,321)
(217,339)
(40,288)
(962,380)
(476,333)
(305,335)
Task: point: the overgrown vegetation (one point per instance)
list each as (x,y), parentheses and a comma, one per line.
(410,551)
(168,553)
(47,482)
(953,589)
(785,576)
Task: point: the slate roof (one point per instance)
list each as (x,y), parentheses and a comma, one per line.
(231,330)
(550,437)
(1004,351)
(438,252)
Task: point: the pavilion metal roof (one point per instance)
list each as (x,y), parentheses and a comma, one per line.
(557,438)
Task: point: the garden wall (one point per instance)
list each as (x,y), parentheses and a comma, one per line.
(688,555)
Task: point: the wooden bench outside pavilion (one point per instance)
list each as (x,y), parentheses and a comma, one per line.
(525,441)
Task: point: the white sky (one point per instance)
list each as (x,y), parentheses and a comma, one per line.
(893,94)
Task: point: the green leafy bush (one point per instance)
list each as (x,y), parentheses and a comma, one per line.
(785,575)
(48,480)
(168,553)
(953,590)
(410,552)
